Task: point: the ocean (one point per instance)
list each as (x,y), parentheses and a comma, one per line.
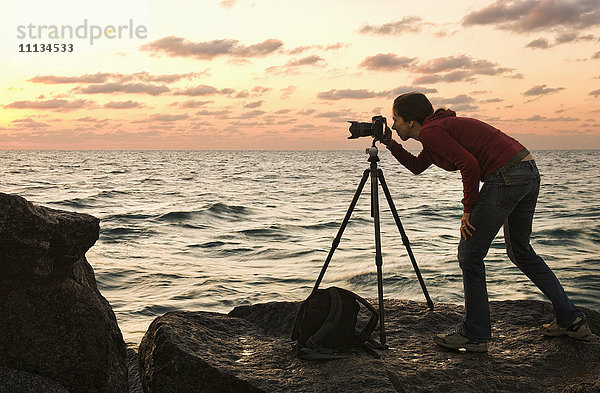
(211,230)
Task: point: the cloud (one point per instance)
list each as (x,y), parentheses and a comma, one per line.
(241,94)
(87,78)
(566,37)
(168,117)
(28,123)
(457,68)
(249,115)
(56,105)
(220,112)
(361,94)
(596,56)
(180,47)
(332,114)
(302,128)
(336,46)
(456,76)
(200,90)
(292,65)
(562,38)
(331,47)
(123,104)
(461,102)
(163,118)
(227,3)
(100,77)
(286,92)
(387,62)
(541,90)
(165,78)
(544,118)
(540,43)
(190,104)
(491,100)
(128,88)
(306,112)
(595,93)
(255,104)
(459,99)
(451,63)
(531,15)
(261,90)
(90,119)
(409,24)
(204,90)
(309,60)
(358,94)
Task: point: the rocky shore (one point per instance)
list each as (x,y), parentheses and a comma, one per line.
(61,335)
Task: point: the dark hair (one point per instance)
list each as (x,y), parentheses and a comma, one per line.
(412,106)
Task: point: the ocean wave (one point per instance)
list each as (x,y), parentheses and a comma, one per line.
(120,234)
(322,225)
(128,216)
(217,210)
(78,203)
(111,194)
(224,248)
(272,233)
(176,216)
(208,244)
(271,253)
(153,310)
(231,211)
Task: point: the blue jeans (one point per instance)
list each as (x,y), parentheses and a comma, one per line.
(510,205)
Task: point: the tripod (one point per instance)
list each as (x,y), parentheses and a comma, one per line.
(376,174)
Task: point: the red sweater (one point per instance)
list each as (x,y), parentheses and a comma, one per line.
(472,146)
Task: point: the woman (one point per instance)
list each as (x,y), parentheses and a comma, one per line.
(507,198)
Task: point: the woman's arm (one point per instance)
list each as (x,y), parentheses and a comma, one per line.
(415,164)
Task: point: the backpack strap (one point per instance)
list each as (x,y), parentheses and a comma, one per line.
(306,353)
(335,313)
(299,315)
(372,323)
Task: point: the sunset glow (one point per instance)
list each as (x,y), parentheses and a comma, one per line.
(272,74)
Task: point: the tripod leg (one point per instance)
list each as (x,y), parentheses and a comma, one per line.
(337,239)
(404,237)
(378,256)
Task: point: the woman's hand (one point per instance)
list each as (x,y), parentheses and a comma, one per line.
(387,136)
(466,229)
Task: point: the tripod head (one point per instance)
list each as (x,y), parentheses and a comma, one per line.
(373,153)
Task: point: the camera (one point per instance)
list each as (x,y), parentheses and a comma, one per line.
(375,129)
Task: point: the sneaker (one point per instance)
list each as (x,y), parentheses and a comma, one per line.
(578,329)
(457,341)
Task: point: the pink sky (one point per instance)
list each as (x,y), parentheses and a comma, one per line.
(273,74)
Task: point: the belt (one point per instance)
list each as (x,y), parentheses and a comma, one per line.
(516,158)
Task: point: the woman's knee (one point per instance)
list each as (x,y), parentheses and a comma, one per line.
(470,259)
(520,254)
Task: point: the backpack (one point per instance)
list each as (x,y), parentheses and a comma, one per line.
(326,324)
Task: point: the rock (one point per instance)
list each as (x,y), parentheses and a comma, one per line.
(133,363)
(249,350)
(210,352)
(12,381)
(55,323)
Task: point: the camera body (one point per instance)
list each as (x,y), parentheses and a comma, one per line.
(375,129)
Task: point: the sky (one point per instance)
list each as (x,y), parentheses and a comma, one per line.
(289,75)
